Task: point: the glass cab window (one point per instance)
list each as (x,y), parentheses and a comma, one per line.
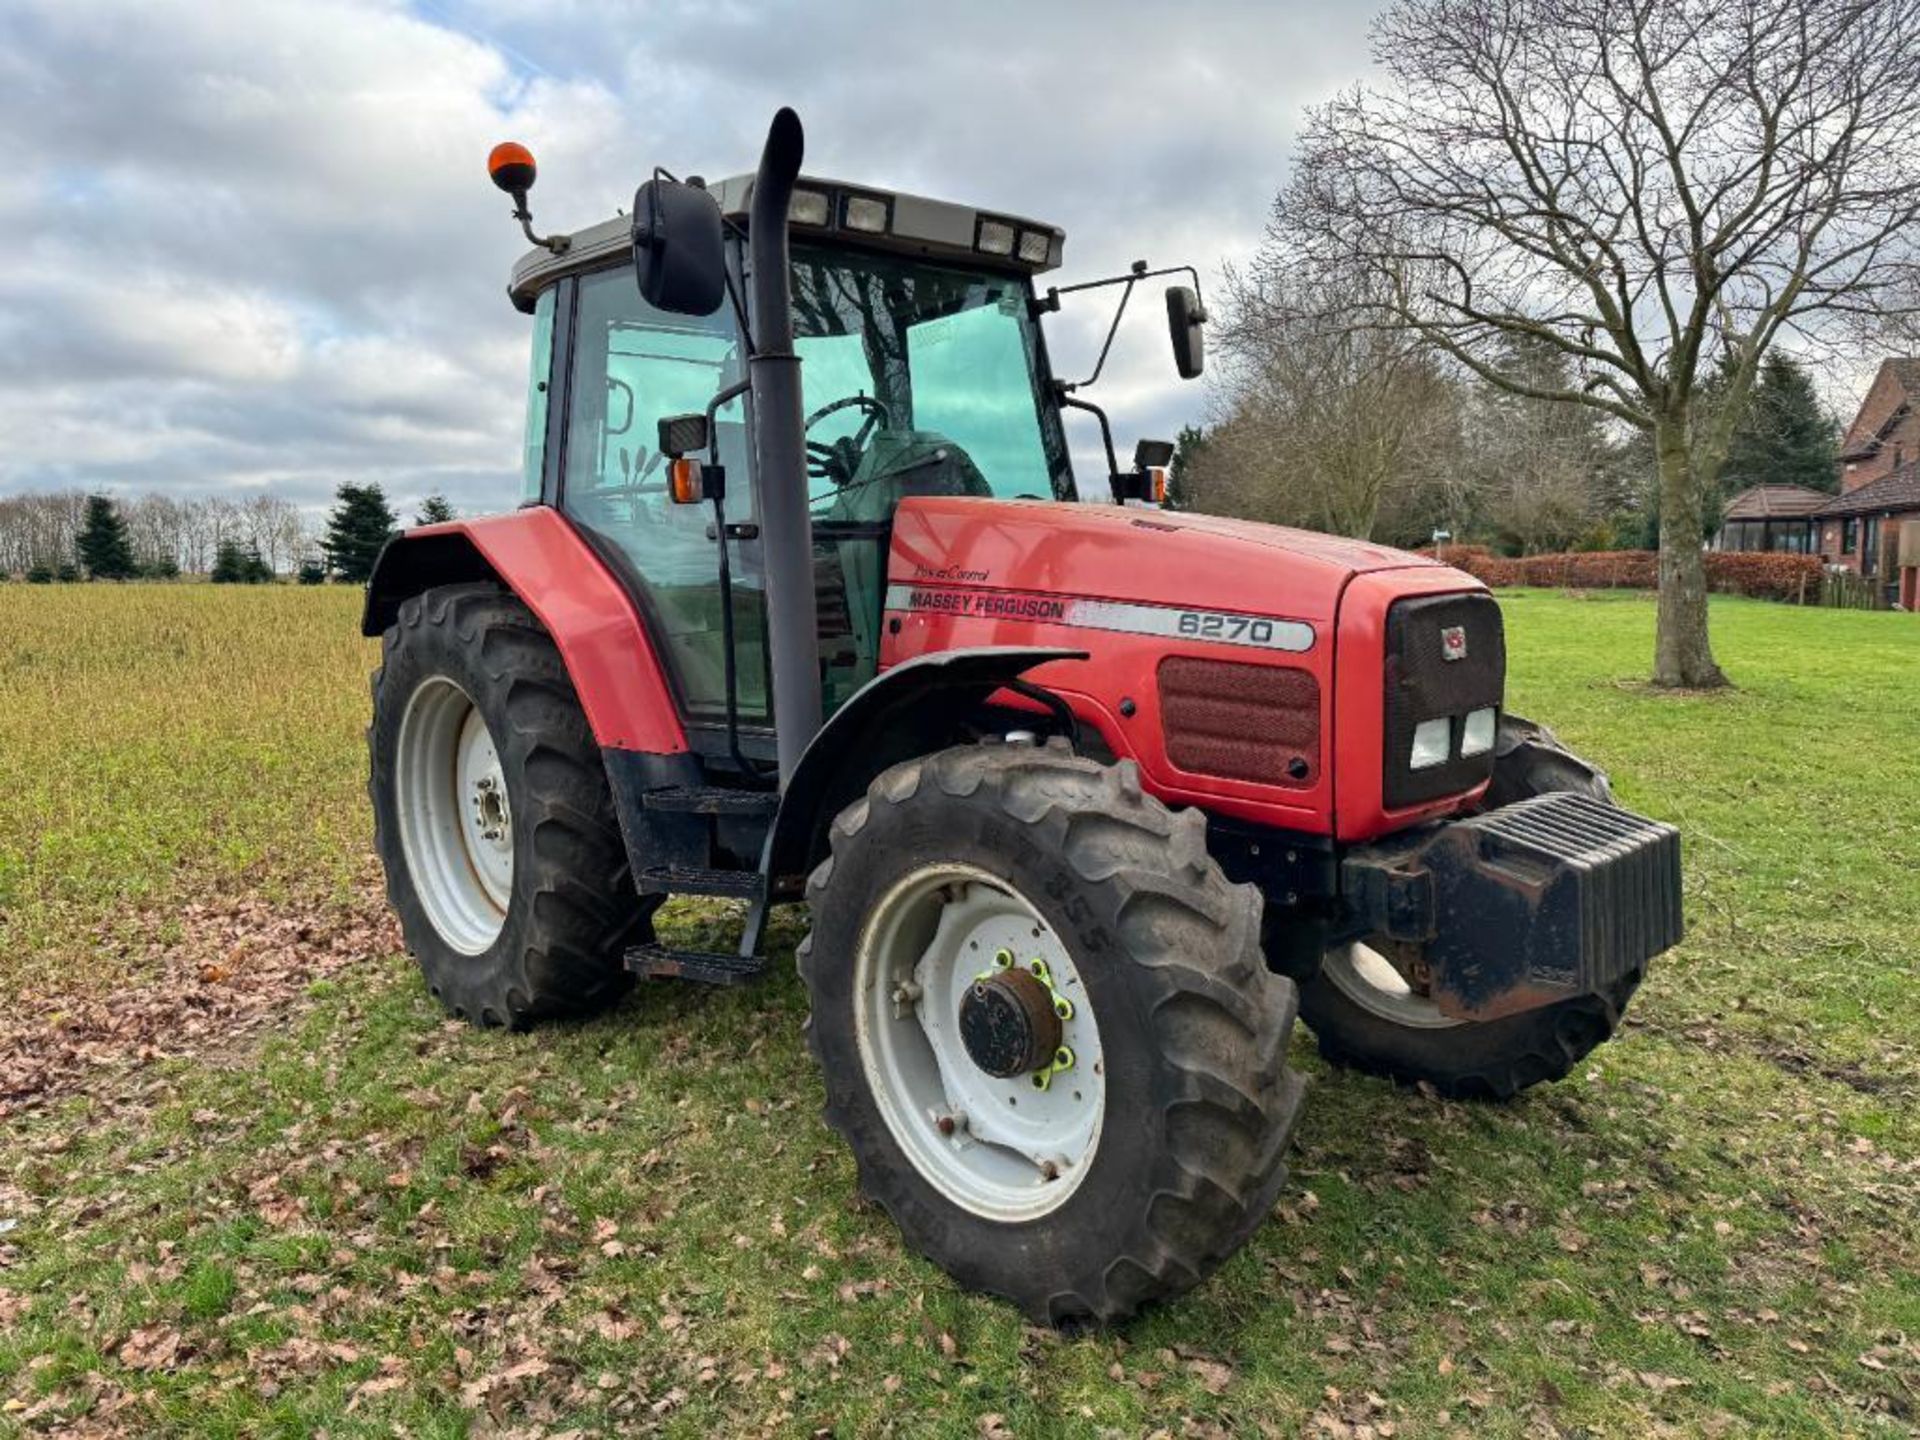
(918,379)
(633,366)
(533,459)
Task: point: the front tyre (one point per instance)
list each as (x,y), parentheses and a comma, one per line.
(492,814)
(1367,1015)
(1046,1029)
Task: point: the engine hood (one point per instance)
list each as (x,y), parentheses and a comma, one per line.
(1152,557)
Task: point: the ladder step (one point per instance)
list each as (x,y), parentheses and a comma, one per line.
(662,962)
(711,800)
(695,880)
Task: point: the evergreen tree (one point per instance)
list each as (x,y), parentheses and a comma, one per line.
(361,523)
(102,543)
(229,564)
(434,510)
(1187,447)
(235,564)
(1786,436)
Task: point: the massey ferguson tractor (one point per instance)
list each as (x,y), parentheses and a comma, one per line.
(1086,798)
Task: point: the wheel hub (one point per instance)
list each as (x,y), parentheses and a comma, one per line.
(964,988)
(490,807)
(1008,1024)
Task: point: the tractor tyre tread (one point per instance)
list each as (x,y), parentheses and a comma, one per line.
(1187,961)
(573,911)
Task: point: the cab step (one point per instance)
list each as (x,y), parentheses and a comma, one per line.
(711,800)
(698,880)
(708,967)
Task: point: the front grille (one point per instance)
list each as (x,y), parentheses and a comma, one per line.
(1423,684)
(1259,723)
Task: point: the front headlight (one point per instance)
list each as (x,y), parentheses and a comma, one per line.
(1432,741)
(1476,736)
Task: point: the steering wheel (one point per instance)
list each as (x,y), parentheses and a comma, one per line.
(838,460)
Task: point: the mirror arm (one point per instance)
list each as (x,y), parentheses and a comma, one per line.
(726,396)
(1063,394)
(1050,302)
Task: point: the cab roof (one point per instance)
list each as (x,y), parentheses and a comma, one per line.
(822,210)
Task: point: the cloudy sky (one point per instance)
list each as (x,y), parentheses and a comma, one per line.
(251,243)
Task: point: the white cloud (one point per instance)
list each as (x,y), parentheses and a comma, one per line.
(253,244)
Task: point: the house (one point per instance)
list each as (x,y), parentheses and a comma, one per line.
(1875,529)
(1772,517)
(1886,433)
(1873,526)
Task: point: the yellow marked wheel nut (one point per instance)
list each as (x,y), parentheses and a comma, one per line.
(1063,1007)
(1063,1058)
(1004,959)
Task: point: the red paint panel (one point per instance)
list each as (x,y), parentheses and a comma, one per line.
(1360,703)
(592,619)
(993,557)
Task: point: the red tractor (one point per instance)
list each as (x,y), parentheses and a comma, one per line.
(1086,800)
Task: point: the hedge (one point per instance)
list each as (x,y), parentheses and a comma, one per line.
(1769,576)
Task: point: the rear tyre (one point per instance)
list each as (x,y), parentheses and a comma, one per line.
(1137,1169)
(1365,1016)
(492,815)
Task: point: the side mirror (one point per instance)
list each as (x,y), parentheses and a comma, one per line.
(1147,481)
(682,435)
(679,257)
(1185,316)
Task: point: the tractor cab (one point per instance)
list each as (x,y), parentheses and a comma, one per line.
(924,373)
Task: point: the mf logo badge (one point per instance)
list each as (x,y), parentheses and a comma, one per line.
(1453,642)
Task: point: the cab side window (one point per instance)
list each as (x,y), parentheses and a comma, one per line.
(633,366)
(533,460)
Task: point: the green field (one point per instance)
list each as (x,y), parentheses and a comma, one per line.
(251,1183)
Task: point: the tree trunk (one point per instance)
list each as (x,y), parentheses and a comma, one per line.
(1682,654)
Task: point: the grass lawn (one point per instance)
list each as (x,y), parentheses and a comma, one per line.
(273,1192)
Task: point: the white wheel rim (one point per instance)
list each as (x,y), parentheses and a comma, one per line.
(1368,978)
(1001,1148)
(456,825)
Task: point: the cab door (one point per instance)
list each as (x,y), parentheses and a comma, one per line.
(632,365)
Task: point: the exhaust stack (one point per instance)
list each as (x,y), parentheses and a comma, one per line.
(779,439)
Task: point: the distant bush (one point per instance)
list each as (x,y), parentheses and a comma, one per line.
(160,570)
(311,572)
(39,574)
(235,566)
(68,573)
(1769,576)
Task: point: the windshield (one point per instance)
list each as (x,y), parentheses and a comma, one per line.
(920,379)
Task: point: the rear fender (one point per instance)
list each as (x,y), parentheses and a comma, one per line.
(542,559)
(911,709)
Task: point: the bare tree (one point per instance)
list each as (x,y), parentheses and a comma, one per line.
(1321,424)
(154,528)
(1649,186)
(1546,474)
(272,526)
(39,529)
